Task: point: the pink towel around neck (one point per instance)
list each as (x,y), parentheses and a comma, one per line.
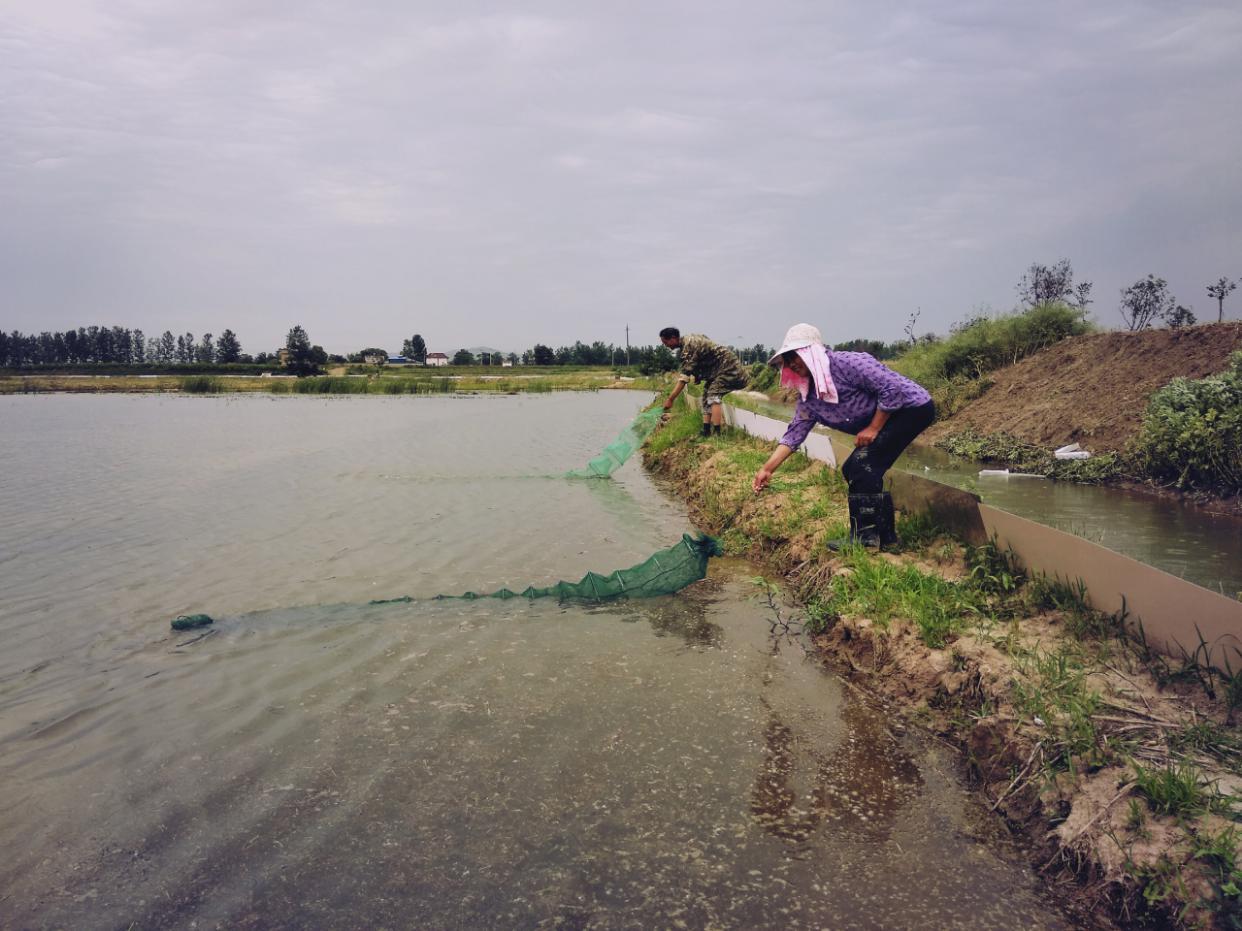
(816,359)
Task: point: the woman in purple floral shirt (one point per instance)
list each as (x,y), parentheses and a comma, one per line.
(854,393)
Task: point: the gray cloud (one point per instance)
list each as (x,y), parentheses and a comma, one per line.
(480,174)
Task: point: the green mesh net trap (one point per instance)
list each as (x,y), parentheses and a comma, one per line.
(620,449)
(663,573)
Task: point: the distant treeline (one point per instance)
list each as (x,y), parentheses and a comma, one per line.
(114,345)
(101,348)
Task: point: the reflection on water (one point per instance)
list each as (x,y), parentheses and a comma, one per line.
(859,786)
(1178,538)
(442,764)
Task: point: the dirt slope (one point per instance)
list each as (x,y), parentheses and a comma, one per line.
(1092,389)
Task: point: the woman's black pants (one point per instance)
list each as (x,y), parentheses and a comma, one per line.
(864,469)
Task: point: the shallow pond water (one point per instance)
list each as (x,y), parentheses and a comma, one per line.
(317,761)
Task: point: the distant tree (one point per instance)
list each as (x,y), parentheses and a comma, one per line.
(463,357)
(104,348)
(168,347)
(139,346)
(190,350)
(909,327)
(485,358)
(318,356)
(264,358)
(228,349)
(298,345)
(544,355)
(414,349)
(122,345)
(874,347)
(1146,300)
(1048,284)
(206,351)
(181,350)
(659,360)
(513,359)
(1179,317)
(1082,297)
(1219,292)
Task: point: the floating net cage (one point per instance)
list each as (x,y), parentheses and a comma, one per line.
(619,450)
(663,573)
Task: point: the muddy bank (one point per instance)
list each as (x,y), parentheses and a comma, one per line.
(1118,766)
(1092,389)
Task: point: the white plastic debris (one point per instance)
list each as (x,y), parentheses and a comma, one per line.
(1072,451)
(999,472)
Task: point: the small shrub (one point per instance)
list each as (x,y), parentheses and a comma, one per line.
(763,377)
(1192,432)
(993,571)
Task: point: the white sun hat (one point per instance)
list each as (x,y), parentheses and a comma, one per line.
(798,336)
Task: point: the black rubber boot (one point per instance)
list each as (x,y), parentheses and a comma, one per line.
(865,516)
(888,525)
(716,427)
(707,429)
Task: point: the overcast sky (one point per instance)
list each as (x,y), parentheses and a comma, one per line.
(506,173)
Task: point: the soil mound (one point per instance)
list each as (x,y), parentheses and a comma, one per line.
(1092,389)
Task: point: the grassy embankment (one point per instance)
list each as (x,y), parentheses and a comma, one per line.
(1191,437)
(956,371)
(1117,763)
(377,380)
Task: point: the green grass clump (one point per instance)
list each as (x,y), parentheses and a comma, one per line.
(327,384)
(983,344)
(992,570)
(683,425)
(877,589)
(202,384)
(1220,852)
(1177,788)
(1054,690)
(1026,457)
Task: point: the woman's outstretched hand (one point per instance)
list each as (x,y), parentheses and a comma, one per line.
(762,477)
(866,436)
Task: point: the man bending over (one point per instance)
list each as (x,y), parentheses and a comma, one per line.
(715,367)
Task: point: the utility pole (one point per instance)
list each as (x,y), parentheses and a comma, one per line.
(627,344)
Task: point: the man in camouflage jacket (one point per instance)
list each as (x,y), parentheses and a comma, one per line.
(715,367)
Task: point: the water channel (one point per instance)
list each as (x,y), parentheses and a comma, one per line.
(317,761)
(1183,540)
